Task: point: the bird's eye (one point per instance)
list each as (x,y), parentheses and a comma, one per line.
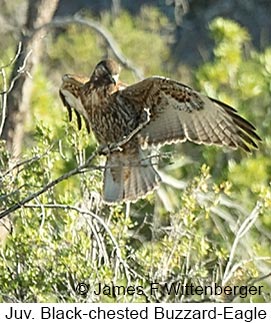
(105,70)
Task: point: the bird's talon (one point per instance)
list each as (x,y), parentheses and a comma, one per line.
(114,147)
(104,150)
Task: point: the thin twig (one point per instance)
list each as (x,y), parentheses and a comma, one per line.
(85,212)
(258,279)
(7,90)
(100,242)
(20,71)
(3,101)
(246,225)
(14,59)
(250,283)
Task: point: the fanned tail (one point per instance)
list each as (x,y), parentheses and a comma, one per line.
(128,176)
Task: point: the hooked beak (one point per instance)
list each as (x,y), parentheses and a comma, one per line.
(114,78)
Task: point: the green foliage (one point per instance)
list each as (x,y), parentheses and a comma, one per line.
(81,48)
(145,29)
(241,79)
(78,45)
(184,233)
(235,71)
(229,39)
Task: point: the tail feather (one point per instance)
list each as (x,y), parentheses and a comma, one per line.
(128,177)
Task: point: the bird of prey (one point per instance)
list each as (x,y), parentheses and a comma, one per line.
(155,111)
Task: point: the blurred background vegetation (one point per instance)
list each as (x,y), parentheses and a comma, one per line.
(205,225)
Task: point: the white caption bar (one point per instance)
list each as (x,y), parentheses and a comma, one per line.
(110,312)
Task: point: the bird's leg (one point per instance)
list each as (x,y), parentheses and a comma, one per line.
(103,150)
(115,147)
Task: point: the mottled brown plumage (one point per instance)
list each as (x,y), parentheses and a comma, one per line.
(170,112)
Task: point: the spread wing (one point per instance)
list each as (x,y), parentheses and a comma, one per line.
(69,93)
(178,113)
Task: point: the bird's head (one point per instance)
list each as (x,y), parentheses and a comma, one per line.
(105,73)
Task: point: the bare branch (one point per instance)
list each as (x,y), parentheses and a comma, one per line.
(6,90)
(102,31)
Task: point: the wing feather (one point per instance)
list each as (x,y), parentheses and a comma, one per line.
(178,113)
(65,103)
(69,94)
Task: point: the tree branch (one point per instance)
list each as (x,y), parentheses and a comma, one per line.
(102,31)
(74,171)
(102,150)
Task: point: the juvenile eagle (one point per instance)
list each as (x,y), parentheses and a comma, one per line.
(158,111)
